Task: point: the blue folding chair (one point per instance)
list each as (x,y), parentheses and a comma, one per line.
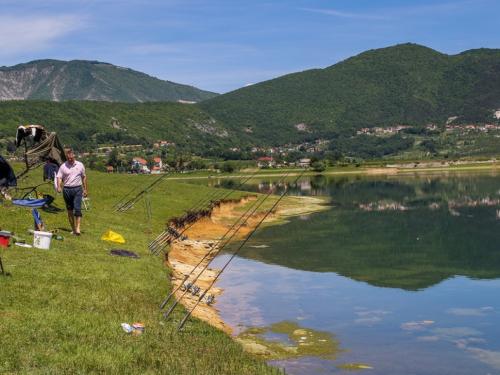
(39,225)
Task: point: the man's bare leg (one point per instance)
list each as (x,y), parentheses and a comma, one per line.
(71,219)
(78,222)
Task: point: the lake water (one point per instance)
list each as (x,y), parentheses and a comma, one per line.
(402,272)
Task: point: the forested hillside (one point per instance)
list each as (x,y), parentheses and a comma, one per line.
(406,86)
(402,85)
(85,125)
(89,80)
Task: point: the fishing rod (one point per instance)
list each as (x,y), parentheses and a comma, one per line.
(167,234)
(134,189)
(259,202)
(202,202)
(129,204)
(165,238)
(183,321)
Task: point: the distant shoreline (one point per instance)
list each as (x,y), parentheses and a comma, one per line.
(389,169)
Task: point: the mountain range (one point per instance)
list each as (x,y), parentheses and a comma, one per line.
(90,80)
(406,84)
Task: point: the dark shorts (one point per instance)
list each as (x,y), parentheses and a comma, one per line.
(73,199)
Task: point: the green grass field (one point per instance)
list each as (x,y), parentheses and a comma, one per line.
(61,308)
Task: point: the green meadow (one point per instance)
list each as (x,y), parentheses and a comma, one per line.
(61,308)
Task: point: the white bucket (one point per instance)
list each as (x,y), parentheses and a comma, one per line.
(42,240)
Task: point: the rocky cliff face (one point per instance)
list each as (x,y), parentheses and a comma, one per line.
(19,84)
(89,80)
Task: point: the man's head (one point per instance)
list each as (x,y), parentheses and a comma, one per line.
(70,156)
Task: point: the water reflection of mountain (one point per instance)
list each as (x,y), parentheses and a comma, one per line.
(408,249)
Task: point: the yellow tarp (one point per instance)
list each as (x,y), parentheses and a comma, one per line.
(112,237)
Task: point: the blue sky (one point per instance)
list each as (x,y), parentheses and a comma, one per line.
(222,45)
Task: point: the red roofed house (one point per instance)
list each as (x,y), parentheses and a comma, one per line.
(157,165)
(266,161)
(140,165)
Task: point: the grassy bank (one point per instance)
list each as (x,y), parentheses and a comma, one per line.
(61,308)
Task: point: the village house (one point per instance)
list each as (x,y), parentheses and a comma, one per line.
(140,165)
(304,163)
(266,161)
(161,143)
(157,165)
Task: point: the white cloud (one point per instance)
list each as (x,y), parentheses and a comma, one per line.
(404,12)
(373,312)
(20,34)
(337,13)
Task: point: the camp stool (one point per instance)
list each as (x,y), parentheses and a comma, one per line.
(86,203)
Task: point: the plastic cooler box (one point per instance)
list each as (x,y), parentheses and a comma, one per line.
(4,238)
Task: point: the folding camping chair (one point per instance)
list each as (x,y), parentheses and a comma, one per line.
(39,225)
(86,203)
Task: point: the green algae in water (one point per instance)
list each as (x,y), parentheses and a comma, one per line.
(304,342)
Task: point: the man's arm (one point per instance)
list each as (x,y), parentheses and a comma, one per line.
(59,180)
(84,186)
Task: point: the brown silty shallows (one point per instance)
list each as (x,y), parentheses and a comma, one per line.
(204,240)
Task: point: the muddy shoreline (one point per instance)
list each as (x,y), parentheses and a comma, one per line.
(191,256)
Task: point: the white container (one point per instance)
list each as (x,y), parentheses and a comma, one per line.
(42,239)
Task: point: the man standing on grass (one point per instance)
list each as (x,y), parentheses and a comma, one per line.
(72,175)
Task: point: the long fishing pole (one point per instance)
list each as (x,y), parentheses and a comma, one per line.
(259,202)
(129,204)
(208,197)
(130,192)
(190,216)
(183,321)
(165,238)
(170,234)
